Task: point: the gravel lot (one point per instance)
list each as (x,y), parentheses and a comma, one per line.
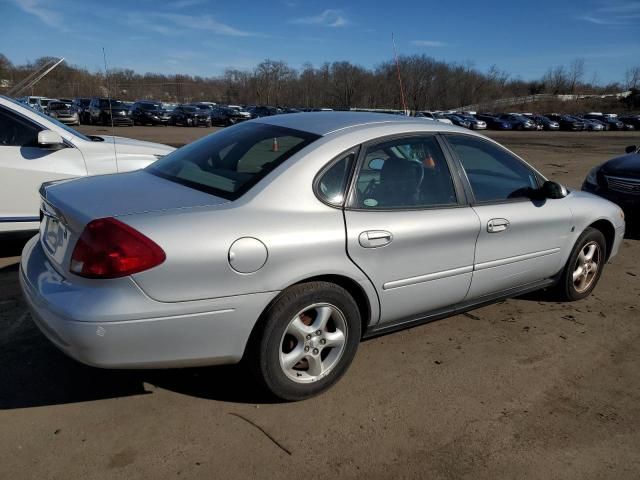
(521,389)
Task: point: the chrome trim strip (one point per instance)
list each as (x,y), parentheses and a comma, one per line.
(19,219)
(518,258)
(427,278)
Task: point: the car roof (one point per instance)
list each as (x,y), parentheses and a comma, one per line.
(323,123)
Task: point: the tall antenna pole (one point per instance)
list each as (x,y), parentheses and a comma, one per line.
(113,132)
(395,53)
(34,77)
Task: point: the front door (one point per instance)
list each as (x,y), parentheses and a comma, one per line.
(521,239)
(24,166)
(408,227)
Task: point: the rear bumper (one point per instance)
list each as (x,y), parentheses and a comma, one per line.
(113,324)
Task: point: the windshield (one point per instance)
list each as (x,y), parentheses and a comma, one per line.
(58,124)
(104,103)
(189,109)
(229,163)
(150,106)
(59,106)
(44,102)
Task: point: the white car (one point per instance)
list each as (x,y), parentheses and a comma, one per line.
(35,148)
(436,117)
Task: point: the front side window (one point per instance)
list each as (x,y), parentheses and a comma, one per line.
(16,131)
(230,162)
(404,173)
(494,173)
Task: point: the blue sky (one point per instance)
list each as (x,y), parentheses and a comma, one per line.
(203,37)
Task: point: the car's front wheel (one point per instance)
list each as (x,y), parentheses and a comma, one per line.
(306,340)
(584,267)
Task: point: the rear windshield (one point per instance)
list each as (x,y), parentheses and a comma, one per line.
(230,162)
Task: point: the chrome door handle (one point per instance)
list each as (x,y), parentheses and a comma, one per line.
(375,238)
(496,225)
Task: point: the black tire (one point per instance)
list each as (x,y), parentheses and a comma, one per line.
(566,289)
(268,339)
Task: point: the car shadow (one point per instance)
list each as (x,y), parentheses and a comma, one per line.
(34,373)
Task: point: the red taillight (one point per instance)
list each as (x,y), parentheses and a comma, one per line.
(109,248)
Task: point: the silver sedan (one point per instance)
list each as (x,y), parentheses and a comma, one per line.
(285,240)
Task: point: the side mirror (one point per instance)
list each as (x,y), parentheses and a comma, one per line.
(553,190)
(50,139)
(376,164)
(631,149)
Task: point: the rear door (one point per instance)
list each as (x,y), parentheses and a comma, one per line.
(409,228)
(521,239)
(24,166)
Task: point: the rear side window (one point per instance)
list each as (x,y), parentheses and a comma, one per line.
(333,182)
(494,174)
(230,162)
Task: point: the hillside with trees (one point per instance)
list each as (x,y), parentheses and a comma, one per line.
(429,84)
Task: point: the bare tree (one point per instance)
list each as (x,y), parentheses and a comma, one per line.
(575,74)
(632,78)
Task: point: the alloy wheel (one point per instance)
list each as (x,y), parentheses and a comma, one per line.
(586,266)
(313,343)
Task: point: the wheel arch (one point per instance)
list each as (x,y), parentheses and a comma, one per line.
(350,285)
(608,230)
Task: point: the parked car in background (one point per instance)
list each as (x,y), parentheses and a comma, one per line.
(518,121)
(567,122)
(81,105)
(190,116)
(289,110)
(458,120)
(202,258)
(474,123)
(610,120)
(226,116)
(436,117)
(591,124)
(168,106)
(258,112)
(148,113)
(108,111)
(64,112)
(35,148)
(37,103)
(633,120)
(618,180)
(493,122)
(544,122)
(246,115)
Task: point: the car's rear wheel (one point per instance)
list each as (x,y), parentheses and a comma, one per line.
(306,340)
(584,267)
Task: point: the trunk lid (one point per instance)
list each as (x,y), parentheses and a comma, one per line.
(68,206)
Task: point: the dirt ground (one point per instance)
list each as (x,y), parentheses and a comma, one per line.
(521,389)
